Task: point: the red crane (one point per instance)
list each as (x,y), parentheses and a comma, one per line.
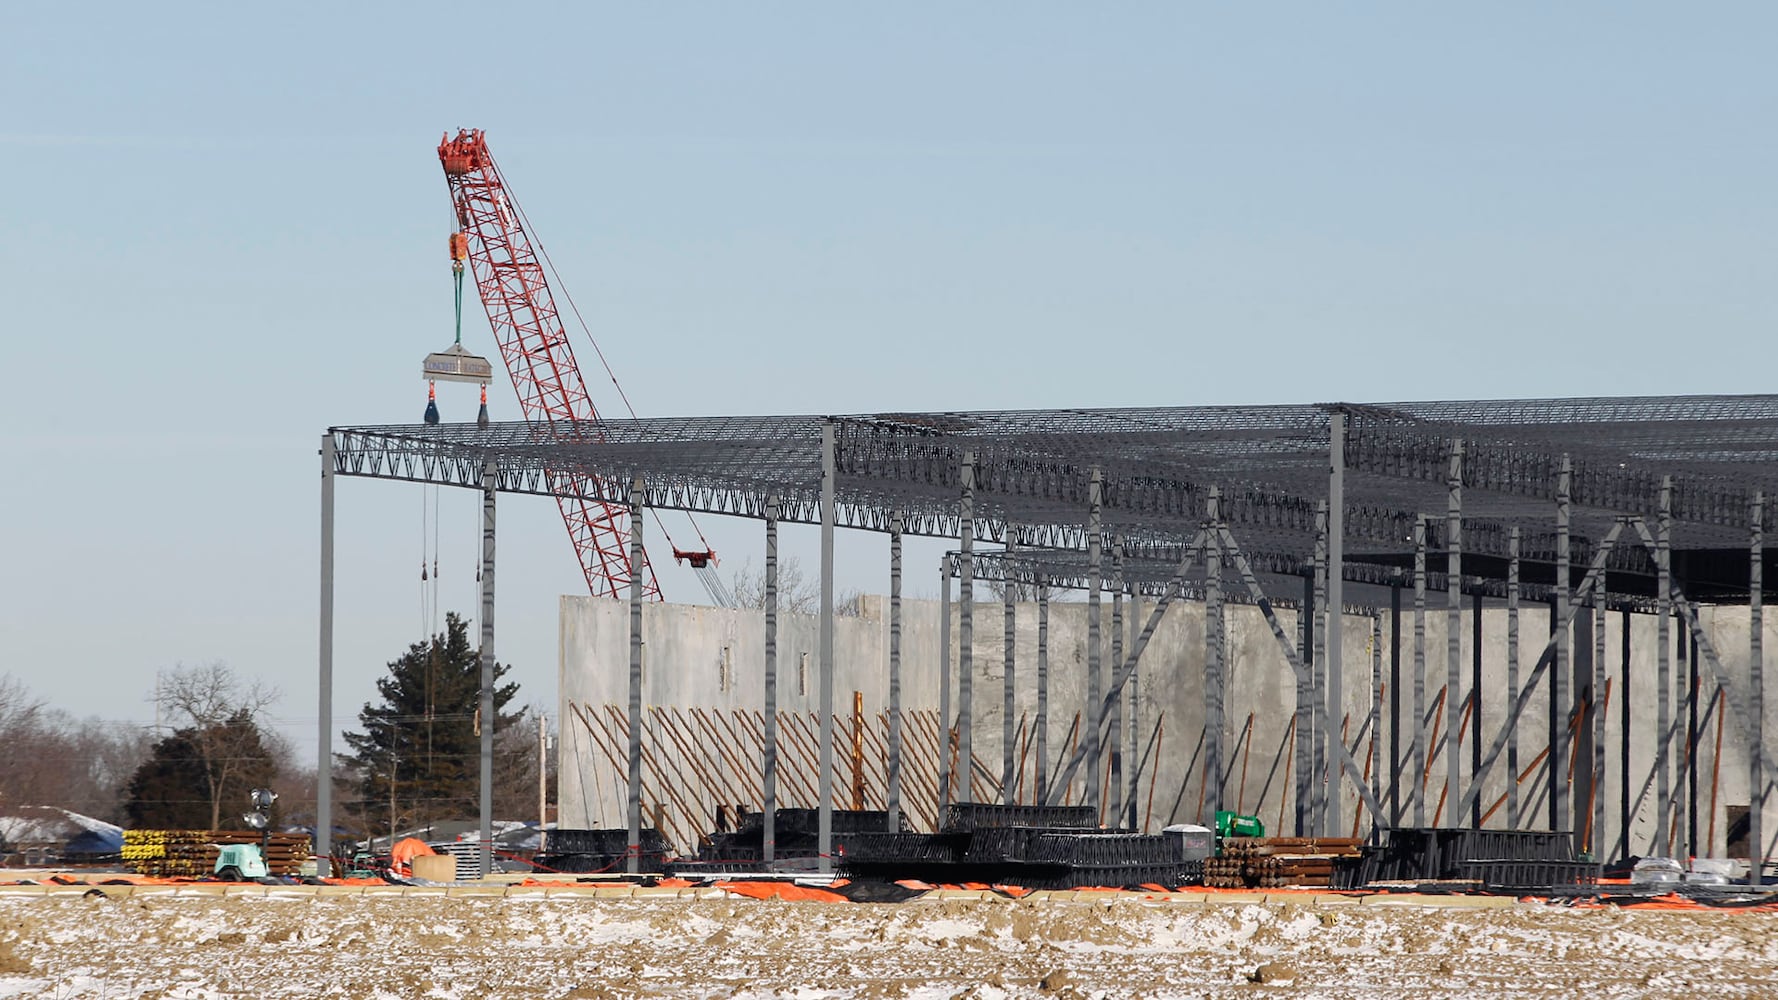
(534,344)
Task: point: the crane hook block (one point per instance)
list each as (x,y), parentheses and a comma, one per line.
(431,414)
(462,154)
(697,559)
(459,247)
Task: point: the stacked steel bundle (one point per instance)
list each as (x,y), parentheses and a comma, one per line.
(192,853)
(1276,862)
(1031,846)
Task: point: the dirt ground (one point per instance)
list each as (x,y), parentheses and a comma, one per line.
(298,945)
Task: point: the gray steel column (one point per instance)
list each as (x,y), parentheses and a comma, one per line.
(1556,764)
(1094,724)
(1512,675)
(1475,700)
(1419,775)
(1114,724)
(1596,785)
(1318,734)
(634,812)
(1395,760)
(892,796)
(966,634)
(1303,743)
(1134,770)
(1454,627)
(1336,602)
(324,735)
(1214,723)
(1008,741)
(769,751)
(489,718)
(1042,722)
(1376,716)
(829,472)
(945,757)
(1756,675)
(1663,669)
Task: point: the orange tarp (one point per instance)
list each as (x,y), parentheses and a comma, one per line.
(407,849)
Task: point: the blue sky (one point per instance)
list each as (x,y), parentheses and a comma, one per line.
(226,232)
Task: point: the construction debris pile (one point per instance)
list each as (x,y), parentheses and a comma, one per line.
(1278,862)
(169,853)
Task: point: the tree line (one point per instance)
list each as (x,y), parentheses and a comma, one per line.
(413,761)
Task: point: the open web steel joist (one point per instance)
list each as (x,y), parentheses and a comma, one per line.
(1032,470)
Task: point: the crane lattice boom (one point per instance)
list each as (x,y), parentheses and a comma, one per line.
(534,344)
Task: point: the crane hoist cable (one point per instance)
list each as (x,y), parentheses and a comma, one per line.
(701,560)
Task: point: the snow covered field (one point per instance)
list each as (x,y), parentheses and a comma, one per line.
(302,945)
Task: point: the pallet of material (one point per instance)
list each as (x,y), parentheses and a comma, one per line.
(193,853)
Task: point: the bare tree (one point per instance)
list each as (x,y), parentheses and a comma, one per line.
(211,701)
(797,593)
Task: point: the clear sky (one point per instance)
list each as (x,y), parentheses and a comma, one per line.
(226,231)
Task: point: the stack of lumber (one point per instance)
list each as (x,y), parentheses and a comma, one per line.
(1277,862)
(169,853)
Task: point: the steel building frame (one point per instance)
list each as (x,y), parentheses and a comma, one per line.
(1618,502)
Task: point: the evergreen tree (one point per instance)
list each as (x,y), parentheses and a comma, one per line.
(183,785)
(418,759)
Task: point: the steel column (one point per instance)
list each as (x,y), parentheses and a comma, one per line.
(1318,735)
(769,751)
(1419,775)
(1395,760)
(946,758)
(1756,699)
(966,634)
(1596,789)
(1556,764)
(1008,740)
(1114,723)
(633,854)
(1512,676)
(1376,726)
(1135,727)
(1214,724)
(1042,722)
(1336,606)
(1663,668)
(829,472)
(892,795)
(1475,698)
(324,734)
(1453,626)
(1094,721)
(490,478)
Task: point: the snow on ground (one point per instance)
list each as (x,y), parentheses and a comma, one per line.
(387,946)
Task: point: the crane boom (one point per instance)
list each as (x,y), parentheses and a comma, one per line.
(534,345)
